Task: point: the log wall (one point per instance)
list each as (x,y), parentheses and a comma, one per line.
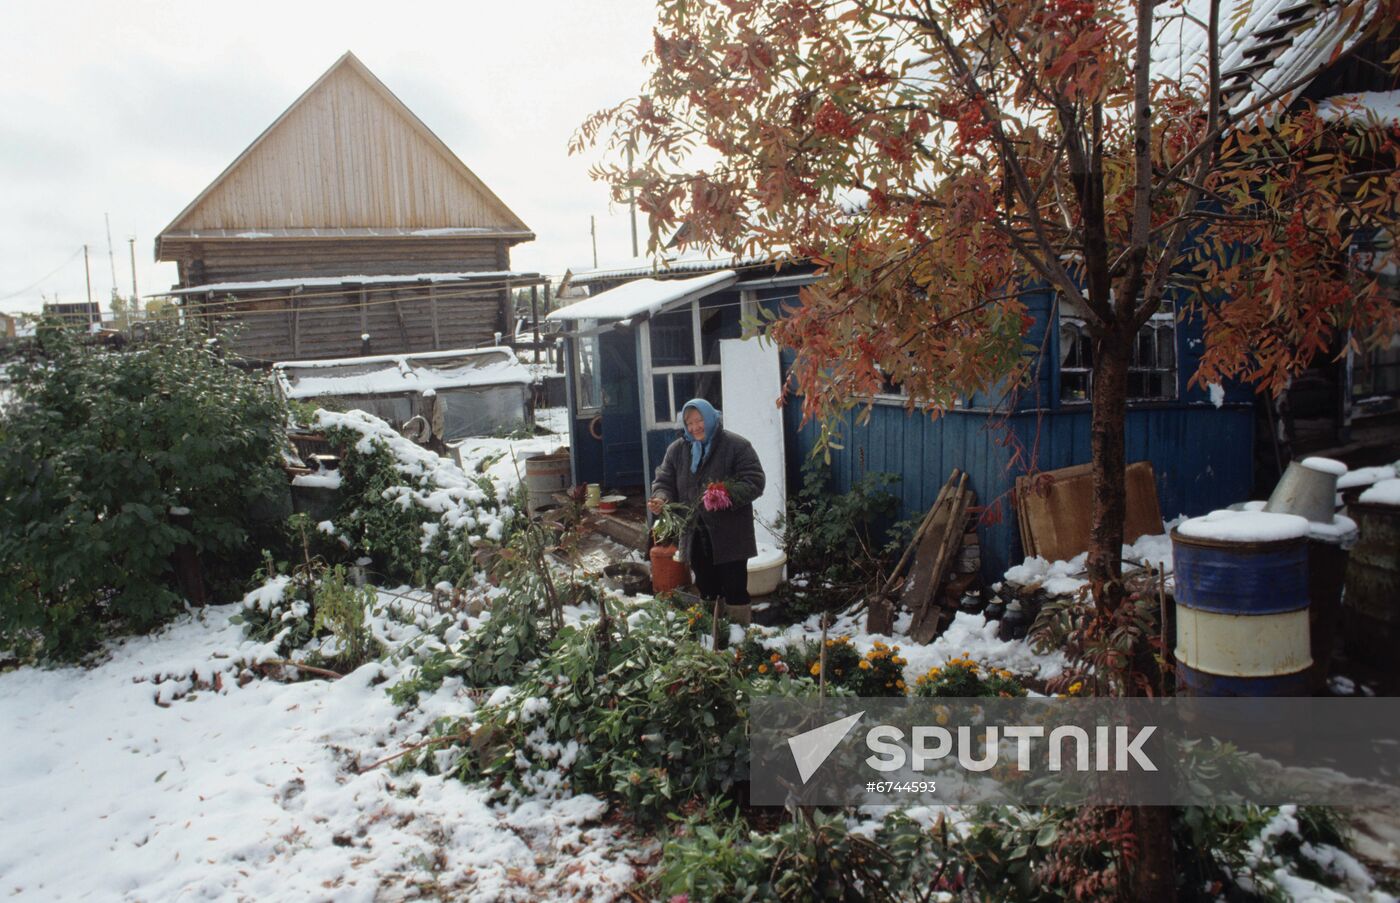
(320,325)
(251,260)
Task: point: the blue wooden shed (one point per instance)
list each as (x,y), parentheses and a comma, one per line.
(647,341)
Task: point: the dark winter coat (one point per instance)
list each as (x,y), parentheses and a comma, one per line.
(731,459)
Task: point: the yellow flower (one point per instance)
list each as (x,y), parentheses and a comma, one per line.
(815,669)
(762,669)
(900,661)
(1076,686)
(864,665)
(900,684)
(774,657)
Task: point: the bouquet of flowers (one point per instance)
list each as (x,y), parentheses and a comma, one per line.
(717,497)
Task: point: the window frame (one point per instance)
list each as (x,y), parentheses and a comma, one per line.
(582,335)
(670,372)
(1164,319)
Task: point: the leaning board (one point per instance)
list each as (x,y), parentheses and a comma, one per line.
(1055,522)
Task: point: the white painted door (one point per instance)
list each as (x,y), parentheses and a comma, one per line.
(751,385)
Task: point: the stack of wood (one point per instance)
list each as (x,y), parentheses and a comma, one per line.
(932,556)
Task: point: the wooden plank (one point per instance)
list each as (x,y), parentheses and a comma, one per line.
(917,537)
(1059,513)
(916,589)
(403,327)
(433,313)
(924,626)
(296,326)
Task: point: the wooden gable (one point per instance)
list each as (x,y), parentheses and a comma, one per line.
(346,158)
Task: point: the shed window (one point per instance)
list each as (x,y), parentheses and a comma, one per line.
(683,351)
(588,394)
(1076,360)
(1151,368)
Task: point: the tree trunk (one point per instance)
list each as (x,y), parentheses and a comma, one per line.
(1154,873)
(1107,426)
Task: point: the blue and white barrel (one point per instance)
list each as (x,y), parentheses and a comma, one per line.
(1242,605)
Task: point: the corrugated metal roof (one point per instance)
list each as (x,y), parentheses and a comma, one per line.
(332,281)
(1279,44)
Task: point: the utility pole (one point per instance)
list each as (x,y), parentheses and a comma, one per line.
(632,202)
(593,231)
(135,295)
(87,271)
(111,256)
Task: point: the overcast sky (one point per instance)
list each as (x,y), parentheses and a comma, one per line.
(132,108)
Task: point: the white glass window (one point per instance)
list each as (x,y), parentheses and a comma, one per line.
(681,347)
(588,392)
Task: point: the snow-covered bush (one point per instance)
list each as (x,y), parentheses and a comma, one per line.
(109,462)
(415,513)
(647,717)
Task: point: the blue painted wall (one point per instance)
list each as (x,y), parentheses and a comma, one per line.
(1201,456)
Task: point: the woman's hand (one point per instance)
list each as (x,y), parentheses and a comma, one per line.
(655,504)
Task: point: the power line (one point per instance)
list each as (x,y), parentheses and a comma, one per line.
(44,279)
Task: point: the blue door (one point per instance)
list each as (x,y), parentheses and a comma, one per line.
(622,410)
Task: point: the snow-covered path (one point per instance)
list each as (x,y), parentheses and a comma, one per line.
(251,792)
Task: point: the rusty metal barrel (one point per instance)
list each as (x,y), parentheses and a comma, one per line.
(544,476)
(1242,605)
(1371,610)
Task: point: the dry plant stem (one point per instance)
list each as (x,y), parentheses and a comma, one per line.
(714,628)
(309,669)
(464,737)
(821,677)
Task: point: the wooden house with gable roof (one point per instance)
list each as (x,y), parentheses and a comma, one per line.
(346,228)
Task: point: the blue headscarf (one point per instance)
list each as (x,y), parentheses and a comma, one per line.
(698,450)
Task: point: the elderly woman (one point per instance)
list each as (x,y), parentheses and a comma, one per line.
(721,542)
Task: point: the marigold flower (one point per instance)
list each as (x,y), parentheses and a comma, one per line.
(762,669)
(774,657)
(815,669)
(864,665)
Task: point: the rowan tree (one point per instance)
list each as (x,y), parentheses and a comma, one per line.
(941,158)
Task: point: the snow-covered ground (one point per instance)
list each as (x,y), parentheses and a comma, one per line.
(116,786)
(185,766)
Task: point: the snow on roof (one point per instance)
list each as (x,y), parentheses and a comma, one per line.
(1386,492)
(1245,526)
(644,296)
(1364,108)
(689,263)
(1279,42)
(326,281)
(390,374)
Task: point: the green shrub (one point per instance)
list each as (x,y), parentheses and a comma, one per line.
(717,858)
(649,718)
(417,515)
(838,539)
(341,610)
(95,452)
